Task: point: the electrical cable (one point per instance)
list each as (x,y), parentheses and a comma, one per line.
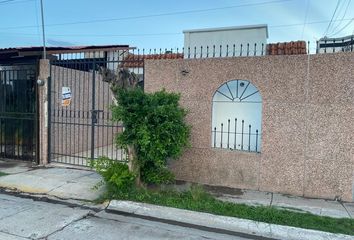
(334,13)
(345,26)
(155,15)
(344,14)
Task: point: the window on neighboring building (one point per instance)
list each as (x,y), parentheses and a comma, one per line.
(237,116)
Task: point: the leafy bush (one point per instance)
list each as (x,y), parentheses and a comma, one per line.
(157,176)
(114,173)
(155,131)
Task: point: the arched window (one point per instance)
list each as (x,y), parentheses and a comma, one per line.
(237,117)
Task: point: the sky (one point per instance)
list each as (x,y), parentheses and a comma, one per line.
(160,23)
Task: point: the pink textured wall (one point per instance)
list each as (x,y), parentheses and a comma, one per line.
(307,124)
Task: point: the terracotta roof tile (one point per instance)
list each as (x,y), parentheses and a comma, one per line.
(135,60)
(287,48)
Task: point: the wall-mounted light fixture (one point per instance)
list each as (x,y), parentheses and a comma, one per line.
(40,82)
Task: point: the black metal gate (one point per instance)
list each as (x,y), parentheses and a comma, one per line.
(79,106)
(18,112)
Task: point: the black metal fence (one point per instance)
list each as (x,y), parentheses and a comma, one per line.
(81,126)
(236,135)
(18,112)
(248,49)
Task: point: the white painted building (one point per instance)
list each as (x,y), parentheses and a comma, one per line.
(342,44)
(226,41)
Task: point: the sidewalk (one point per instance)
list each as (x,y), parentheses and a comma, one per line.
(59,182)
(68,184)
(319,207)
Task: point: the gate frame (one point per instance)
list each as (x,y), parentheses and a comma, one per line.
(47,73)
(36,143)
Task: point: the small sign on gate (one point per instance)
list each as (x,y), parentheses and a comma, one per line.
(66,96)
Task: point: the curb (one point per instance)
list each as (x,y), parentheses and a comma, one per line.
(216,223)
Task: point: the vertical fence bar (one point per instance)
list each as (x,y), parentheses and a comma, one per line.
(220,54)
(241,50)
(213,51)
(234,50)
(308,47)
(201,51)
(228,133)
(249,138)
(242,134)
(222,129)
(255,49)
(262,49)
(207,52)
(214,137)
(317,47)
(62,77)
(257,140)
(227,50)
(235,133)
(248,49)
(333,46)
(195,52)
(93,113)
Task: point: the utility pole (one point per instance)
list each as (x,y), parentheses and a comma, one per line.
(43,33)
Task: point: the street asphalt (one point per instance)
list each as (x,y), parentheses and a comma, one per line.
(23,218)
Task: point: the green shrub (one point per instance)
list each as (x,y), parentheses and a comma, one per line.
(157,176)
(114,173)
(155,130)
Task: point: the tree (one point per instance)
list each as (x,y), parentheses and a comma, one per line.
(154,127)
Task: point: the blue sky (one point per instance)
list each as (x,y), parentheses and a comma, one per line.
(130,22)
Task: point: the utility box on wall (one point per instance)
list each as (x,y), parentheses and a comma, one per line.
(226,41)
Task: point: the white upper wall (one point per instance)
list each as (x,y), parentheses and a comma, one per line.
(341,44)
(227,36)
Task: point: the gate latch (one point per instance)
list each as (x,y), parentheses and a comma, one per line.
(95,115)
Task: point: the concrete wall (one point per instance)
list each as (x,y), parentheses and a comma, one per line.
(307,123)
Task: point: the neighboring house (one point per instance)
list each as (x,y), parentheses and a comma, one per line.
(342,44)
(73,68)
(226,41)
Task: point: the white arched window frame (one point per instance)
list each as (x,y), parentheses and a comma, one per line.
(237,116)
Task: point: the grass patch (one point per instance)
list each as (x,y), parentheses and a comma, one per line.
(196,199)
(3,174)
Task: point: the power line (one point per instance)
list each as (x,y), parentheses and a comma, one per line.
(161,34)
(344,14)
(345,26)
(98,35)
(7,1)
(309,23)
(155,15)
(14,1)
(334,13)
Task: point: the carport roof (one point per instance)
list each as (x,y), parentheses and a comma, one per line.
(37,51)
